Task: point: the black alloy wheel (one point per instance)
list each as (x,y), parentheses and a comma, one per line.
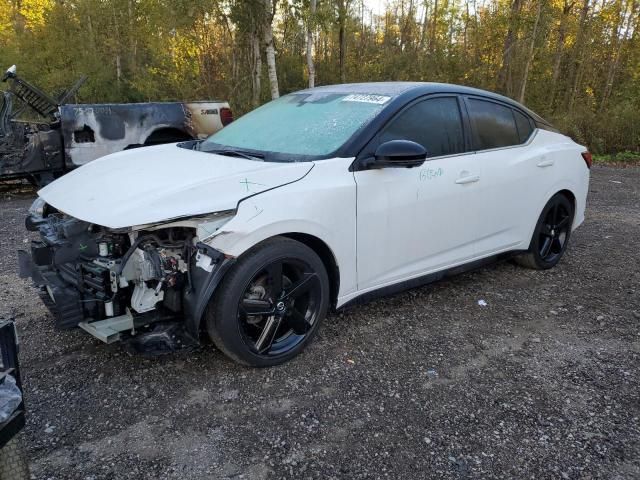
(551,235)
(554,232)
(279,306)
(270,304)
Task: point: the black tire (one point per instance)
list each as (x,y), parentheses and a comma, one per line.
(12,461)
(260,321)
(551,235)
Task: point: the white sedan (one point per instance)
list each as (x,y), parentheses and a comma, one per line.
(317,200)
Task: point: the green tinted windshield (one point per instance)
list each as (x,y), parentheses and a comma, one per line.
(300,124)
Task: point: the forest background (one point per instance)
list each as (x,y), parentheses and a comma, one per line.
(575,62)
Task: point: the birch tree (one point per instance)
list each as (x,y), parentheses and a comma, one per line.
(311,19)
(269,13)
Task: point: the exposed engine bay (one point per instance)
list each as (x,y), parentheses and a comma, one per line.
(113,282)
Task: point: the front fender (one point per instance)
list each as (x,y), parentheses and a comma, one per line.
(322,205)
(215,258)
(235,238)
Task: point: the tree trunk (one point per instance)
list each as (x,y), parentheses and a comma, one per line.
(465,41)
(523,85)
(476,42)
(133,46)
(256,69)
(504,75)
(434,28)
(425,25)
(578,54)
(343,41)
(559,50)
(92,37)
(310,27)
(407,19)
(617,53)
(343,10)
(118,69)
(270,50)
(118,59)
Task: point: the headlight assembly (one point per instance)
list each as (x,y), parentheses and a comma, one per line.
(209,225)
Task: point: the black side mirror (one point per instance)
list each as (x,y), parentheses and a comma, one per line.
(399,153)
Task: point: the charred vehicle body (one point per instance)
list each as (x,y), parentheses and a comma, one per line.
(72,135)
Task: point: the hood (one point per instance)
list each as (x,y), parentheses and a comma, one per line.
(155,184)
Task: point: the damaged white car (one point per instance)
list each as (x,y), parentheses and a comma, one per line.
(317,200)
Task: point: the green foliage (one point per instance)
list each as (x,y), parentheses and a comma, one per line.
(627,158)
(581,69)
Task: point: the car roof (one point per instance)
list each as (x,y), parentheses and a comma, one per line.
(415,89)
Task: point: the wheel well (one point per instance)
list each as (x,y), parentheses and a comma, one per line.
(167,135)
(327,257)
(570,196)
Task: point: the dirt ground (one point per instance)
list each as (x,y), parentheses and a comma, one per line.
(543,382)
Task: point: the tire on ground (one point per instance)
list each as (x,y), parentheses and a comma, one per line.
(532,258)
(221,313)
(12,461)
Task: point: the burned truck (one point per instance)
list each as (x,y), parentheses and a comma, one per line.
(66,135)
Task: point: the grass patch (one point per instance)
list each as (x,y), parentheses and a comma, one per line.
(620,158)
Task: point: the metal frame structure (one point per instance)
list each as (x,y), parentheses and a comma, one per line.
(10,366)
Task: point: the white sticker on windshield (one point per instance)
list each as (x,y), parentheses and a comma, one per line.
(366,98)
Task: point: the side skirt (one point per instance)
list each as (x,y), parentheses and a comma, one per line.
(429,278)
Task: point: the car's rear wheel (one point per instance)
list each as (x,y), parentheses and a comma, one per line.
(270,304)
(551,235)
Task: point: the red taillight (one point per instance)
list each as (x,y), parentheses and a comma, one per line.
(588,159)
(226,116)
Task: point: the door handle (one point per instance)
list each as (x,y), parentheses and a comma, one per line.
(546,163)
(468,179)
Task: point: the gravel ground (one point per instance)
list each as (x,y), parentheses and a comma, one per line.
(540,383)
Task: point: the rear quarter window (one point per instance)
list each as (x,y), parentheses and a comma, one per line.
(493,125)
(524,126)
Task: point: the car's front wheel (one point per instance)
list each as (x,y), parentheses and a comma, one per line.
(551,235)
(270,304)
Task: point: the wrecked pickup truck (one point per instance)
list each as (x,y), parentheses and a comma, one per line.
(71,135)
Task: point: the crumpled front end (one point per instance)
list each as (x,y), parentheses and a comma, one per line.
(117,283)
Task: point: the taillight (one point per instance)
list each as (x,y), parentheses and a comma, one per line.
(588,159)
(226,116)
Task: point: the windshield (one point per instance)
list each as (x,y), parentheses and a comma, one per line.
(313,124)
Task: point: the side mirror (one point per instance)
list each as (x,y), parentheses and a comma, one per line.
(399,153)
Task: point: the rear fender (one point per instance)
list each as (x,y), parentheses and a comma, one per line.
(579,203)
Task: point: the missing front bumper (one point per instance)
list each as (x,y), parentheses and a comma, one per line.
(80,292)
(68,306)
(62,300)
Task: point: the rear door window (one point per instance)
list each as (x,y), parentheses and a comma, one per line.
(435,123)
(493,124)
